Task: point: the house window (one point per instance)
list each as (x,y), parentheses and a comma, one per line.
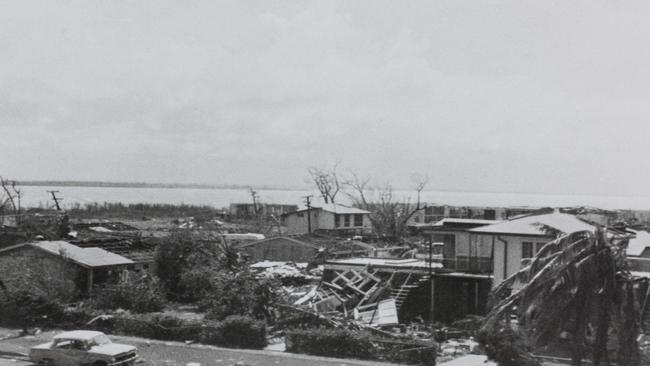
(526,249)
(337,220)
(346,220)
(358,219)
(434,213)
(538,247)
(300,214)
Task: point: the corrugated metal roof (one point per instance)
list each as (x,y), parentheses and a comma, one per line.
(637,245)
(388,262)
(273,239)
(465,221)
(87,257)
(534,225)
(340,209)
(333,208)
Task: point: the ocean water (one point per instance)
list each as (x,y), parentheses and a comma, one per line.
(34,196)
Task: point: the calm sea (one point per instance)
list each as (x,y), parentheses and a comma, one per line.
(34,196)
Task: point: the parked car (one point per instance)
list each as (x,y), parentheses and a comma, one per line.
(83,347)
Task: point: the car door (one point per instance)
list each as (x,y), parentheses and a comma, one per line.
(70,353)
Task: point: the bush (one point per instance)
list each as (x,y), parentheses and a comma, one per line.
(507,347)
(241,294)
(183,252)
(345,343)
(137,293)
(234,331)
(242,332)
(25,309)
(330,342)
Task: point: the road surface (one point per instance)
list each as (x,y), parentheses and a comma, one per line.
(160,353)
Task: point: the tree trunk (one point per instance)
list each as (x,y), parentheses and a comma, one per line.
(578,347)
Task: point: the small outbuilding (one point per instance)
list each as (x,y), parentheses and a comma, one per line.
(44,265)
(279,248)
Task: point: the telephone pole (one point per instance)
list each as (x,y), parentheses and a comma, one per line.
(56,199)
(308,203)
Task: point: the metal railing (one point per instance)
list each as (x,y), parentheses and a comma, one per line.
(468,264)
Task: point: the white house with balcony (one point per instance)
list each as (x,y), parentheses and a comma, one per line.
(512,243)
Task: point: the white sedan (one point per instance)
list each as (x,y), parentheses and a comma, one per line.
(83,348)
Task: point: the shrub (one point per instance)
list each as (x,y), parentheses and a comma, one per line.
(25,309)
(330,342)
(241,294)
(345,343)
(242,332)
(507,347)
(183,251)
(137,293)
(234,331)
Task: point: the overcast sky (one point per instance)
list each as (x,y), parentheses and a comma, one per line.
(539,96)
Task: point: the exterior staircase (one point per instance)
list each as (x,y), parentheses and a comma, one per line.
(401,293)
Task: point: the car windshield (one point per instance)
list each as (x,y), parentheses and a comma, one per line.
(101,340)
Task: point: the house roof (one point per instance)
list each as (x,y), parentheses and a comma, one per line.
(385,262)
(85,257)
(534,225)
(638,243)
(334,208)
(452,221)
(453,224)
(286,238)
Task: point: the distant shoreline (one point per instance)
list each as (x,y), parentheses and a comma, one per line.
(100,184)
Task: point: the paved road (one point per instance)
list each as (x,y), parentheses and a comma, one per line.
(157,353)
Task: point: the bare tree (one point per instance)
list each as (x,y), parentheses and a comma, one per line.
(11,194)
(388,215)
(326,181)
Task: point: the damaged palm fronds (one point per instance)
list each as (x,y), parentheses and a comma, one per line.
(579,287)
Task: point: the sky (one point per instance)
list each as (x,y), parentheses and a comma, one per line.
(505,96)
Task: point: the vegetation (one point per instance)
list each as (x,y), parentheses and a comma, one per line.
(341,342)
(140,210)
(330,342)
(183,258)
(388,214)
(137,293)
(24,309)
(241,293)
(578,284)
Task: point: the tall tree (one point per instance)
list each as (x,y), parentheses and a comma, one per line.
(575,283)
(389,215)
(326,181)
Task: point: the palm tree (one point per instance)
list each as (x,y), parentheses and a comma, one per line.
(579,284)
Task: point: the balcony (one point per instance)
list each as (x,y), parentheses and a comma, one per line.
(468,264)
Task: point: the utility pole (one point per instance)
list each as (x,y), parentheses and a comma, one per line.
(308,203)
(56,199)
(254,196)
(432,284)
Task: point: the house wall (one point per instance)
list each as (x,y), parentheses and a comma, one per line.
(508,253)
(280,249)
(297,222)
(366,225)
(323,220)
(29,268)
